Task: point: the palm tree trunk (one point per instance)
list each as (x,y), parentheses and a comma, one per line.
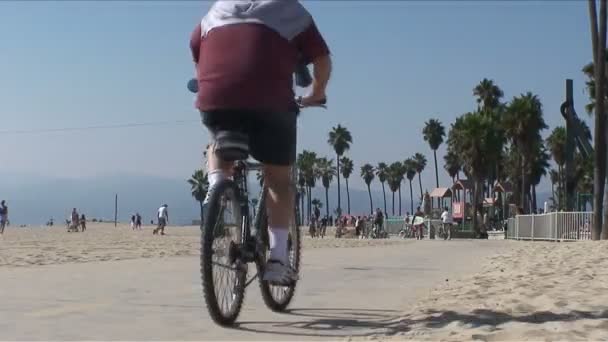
(436,176)
(560,188)
(327,202)
(384,195)
(599,45)
(393,203)
(553,191)
(534,206)
(475,201)
(523,185)
(302,195)
(338,175)
(309,203)
(347,195)
(371,204)
(411,198)
(399,199)
(420,182)
(202,211)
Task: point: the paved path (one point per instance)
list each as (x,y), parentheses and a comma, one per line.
(343,292)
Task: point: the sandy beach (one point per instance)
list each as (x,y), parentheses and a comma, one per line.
(382,290)
(539,291)
(35,246)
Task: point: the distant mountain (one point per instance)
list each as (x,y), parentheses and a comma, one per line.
(33,200)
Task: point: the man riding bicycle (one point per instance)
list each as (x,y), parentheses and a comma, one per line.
(245,53)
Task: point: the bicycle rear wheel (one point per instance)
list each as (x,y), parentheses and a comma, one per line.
(223,273)
(277,298)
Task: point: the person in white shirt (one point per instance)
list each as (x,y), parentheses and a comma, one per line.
(446,221)
(163,219)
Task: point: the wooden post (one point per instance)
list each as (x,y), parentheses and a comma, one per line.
(570,146)
(116,210)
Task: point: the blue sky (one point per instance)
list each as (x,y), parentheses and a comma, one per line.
(397,64)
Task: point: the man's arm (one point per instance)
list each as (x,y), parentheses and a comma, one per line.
(314,50)
(195,43)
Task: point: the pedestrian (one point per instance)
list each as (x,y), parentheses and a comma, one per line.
(83,223)
(3,216)
(163,219)
(138,221)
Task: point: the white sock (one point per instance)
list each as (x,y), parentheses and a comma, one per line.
(214,178)
(278,244)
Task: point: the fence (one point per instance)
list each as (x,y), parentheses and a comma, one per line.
(562,226)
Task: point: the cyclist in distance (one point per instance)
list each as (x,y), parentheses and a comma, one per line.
(245,53)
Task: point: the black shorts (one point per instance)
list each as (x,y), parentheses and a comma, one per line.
(272,136)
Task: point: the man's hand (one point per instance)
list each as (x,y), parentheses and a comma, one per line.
(312,99)
(321,73)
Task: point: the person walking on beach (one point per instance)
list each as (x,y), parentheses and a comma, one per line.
(74,221)
(3,216)
(138,221)
(163,219)
(133,222)
(83,223)
(418,228)
(446,222)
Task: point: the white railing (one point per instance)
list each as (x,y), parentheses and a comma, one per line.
(558,226)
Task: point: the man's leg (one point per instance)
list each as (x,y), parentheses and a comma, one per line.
(217,169)
(279,204)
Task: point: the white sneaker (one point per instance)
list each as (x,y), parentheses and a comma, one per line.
(277,273)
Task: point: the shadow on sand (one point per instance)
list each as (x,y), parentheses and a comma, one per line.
(343,322)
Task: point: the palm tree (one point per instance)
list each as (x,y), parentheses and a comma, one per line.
(327,173)
(433,133)
(347,170)
(382,173)
(398,171)
(554,177)
(488,94)
(199,183)
(317,203)
(598,40)
(394,180)
(301,192)
(523,122)
(340,139)
(254,204)
(367,173)
(259,175)
(538,168)
(557,145)
(472,137)
(410,172)
(420,161)
(452,165)
(306,163)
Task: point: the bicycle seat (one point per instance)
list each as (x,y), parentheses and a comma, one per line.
(232,146)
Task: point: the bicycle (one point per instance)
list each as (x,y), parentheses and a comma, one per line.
(445,231)
(228,216)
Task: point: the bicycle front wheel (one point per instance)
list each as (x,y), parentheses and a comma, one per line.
(223,272)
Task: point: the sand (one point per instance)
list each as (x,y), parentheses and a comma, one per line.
(22,247)
(528,291)
(537,291)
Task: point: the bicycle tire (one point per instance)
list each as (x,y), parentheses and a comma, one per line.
(295,247)
(208,236)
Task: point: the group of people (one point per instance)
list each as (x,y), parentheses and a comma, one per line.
(76,222)
(136,221)
(319,225)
